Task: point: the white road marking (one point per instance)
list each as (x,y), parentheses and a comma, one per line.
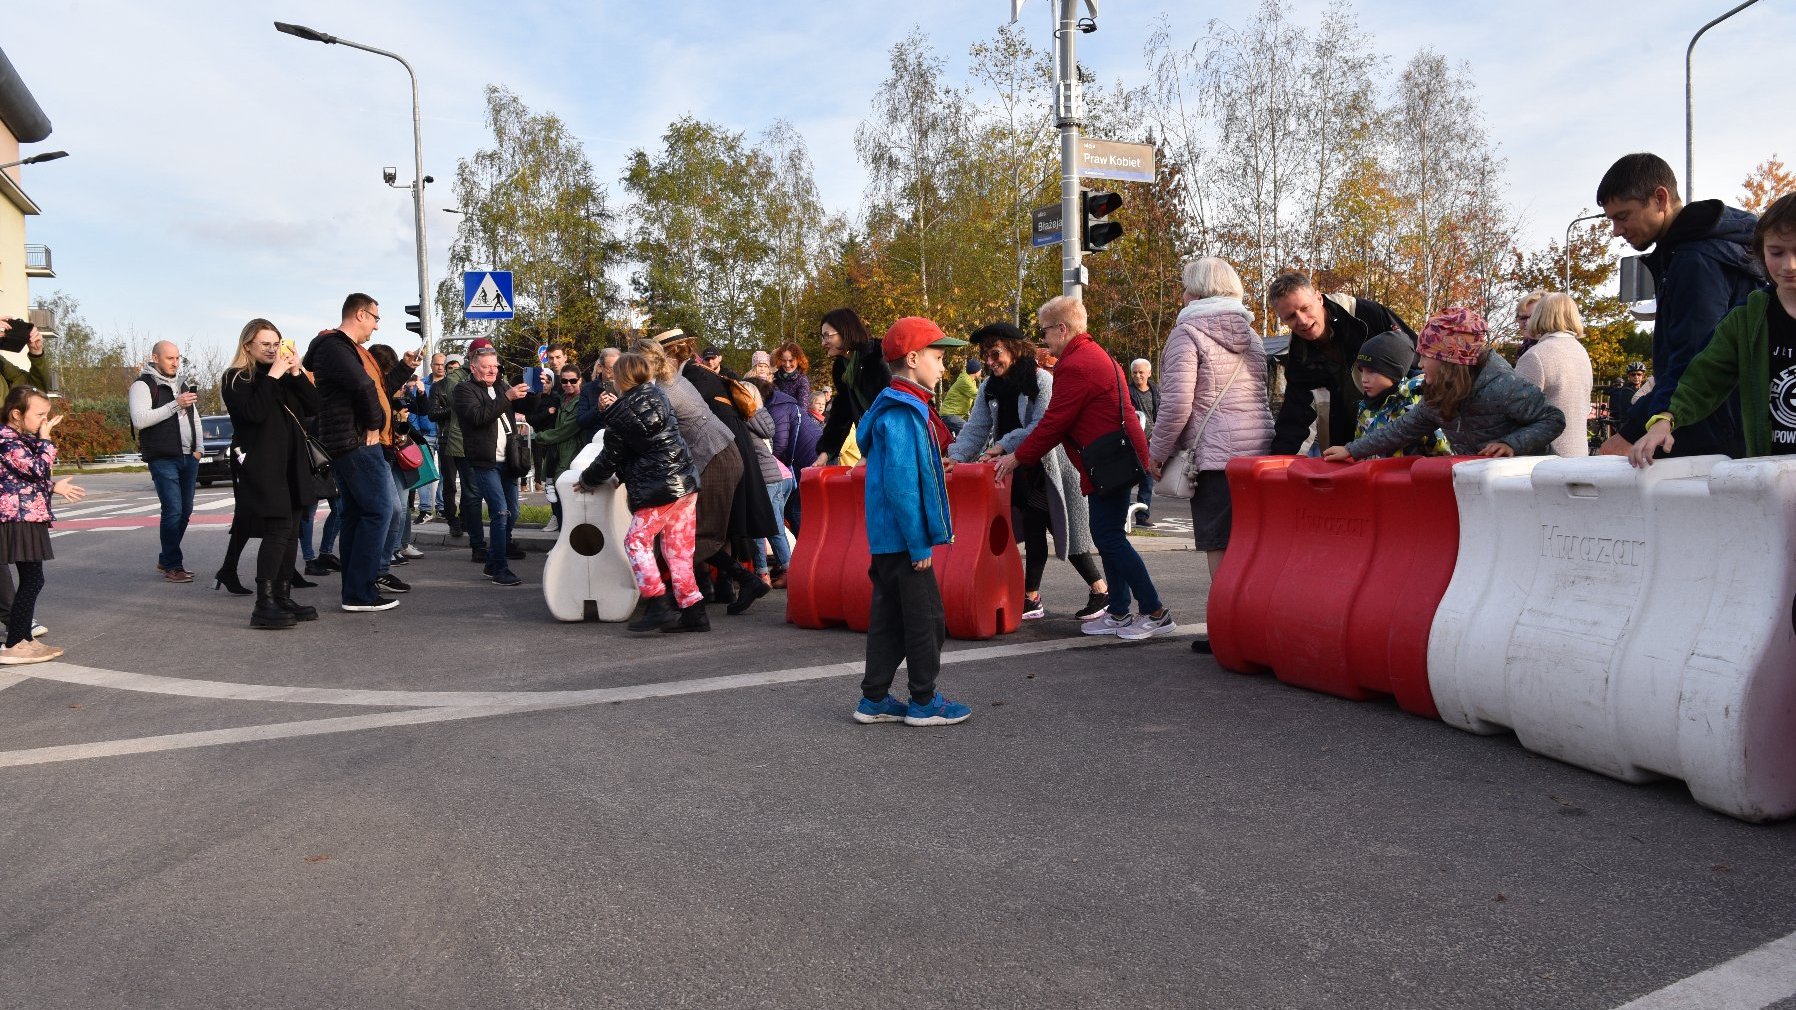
(1755,979)
(9,679)
(150,683)
(72,513)
(219,504)
(448,705)
(139,510)
(61,533)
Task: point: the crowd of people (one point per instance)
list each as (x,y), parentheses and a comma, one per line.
(708,459)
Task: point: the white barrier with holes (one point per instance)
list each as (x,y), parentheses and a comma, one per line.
(1639,623)
(587,565)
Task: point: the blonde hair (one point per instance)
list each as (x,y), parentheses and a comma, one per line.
(1556,313)
(1066,309)
(662,367)
(1212,277)
(631,370)
(244,362)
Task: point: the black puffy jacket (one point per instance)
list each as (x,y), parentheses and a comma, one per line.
(643,447)
(349,402)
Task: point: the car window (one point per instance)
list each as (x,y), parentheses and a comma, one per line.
(215,429)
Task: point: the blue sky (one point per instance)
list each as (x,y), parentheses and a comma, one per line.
(221,171)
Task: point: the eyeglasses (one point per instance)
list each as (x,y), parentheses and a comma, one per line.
(373,313)
(570,382)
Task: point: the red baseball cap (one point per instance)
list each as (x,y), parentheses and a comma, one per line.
(479,344)
(913,333)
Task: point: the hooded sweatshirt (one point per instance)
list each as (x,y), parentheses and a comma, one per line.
(1213,366)
(147,412)
(1702,268)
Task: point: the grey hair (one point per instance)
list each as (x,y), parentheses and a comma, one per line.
(1212,277)
(1064,309)
(1140,361)
(483,352)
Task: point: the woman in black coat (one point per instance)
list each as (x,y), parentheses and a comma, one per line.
(268,395)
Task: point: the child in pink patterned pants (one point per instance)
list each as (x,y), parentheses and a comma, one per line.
(675,525)
(642,449)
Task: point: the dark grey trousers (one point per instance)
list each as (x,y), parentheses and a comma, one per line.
(906,624)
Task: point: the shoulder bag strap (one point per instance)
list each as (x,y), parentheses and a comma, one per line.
(1240,359)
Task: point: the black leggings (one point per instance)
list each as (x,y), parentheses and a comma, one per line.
(280,546)
(1088,568)
(24,602)
(234,549)
(1034,525)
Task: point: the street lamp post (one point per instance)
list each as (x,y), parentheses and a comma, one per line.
(36,159)
(1568,230)
(1690,105)
(424,316)
(1069,114)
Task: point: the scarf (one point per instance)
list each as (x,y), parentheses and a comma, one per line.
(1018,380)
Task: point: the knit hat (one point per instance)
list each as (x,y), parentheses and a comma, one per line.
(760,358)
(913,333)
(1456,335)
(1389,354)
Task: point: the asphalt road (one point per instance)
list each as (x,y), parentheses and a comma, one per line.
(1123,825)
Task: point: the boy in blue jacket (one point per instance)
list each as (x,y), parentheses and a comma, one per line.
(902,438)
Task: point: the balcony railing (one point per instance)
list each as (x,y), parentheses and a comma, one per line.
(37,261)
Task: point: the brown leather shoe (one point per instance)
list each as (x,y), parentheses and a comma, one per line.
(177,574)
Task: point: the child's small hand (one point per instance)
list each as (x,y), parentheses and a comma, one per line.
(1657,438)
(1337,454)
(581,488)
(1497,450)
(947,465)
(922,566)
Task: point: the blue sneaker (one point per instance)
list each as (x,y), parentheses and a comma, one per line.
(939,712)
(887,709)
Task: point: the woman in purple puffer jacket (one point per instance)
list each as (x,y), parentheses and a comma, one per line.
(1212,396)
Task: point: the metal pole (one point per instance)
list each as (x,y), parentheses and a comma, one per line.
(1690,105)
(1568,230)
(424,321)
(1068,109)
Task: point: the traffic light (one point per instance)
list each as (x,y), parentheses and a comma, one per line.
(417,323)
(1099,233)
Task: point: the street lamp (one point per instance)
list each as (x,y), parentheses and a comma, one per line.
(36,159)
(418,177)
(1568,230)
(1690,107)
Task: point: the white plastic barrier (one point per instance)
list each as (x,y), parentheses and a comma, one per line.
(1638,623)
(587,565)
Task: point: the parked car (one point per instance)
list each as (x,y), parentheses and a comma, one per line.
(215,432)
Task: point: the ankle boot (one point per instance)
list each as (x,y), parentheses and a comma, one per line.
(657,616)
(298,581)
(227,579)
(283,598)
(749,588)
(691,619)
(268,613)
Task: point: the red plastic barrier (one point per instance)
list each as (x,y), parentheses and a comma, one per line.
(980,574)
(1334,572)
(826,579)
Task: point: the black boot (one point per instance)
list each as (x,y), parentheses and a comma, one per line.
(283,597)
(299,581)
(691,619)
(223,579)
(268,613)
(749,587)
(659,615)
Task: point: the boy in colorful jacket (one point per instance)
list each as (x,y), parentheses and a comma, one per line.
(1382,370)
(901,437)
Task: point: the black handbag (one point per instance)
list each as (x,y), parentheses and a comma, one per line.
(517,451)
(323,483)
(1110,461)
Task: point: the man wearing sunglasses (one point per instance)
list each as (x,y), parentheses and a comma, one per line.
(557,425)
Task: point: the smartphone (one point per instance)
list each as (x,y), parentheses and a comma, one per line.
(287,345)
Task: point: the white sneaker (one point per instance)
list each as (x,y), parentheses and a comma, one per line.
(1145,626)
(552,526)
(39,631)
(411,552)
(1108,624)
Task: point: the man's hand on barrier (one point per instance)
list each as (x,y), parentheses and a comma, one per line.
(1615,445)
(1337,454)
(1497,450)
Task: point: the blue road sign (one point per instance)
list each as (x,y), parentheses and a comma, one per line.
(486,294)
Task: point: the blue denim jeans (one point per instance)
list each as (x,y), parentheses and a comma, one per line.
(501,496)
(333,520)
(1123,568)
(777,493)
(174,479)
(1146,490)
(470,503)
(427,495)
(365,482)
(399,533)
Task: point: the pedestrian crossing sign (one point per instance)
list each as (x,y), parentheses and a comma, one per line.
(486,294)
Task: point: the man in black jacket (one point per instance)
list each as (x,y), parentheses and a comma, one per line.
(1326,336)
(484,411)
(353,415)
(1702,266)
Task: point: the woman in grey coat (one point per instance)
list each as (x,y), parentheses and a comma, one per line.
(1044,499)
